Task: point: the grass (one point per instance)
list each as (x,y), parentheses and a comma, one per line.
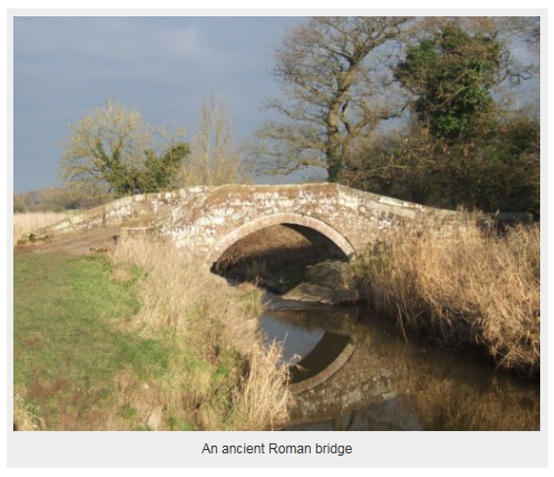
(139,340)
(474,293)
(67,349)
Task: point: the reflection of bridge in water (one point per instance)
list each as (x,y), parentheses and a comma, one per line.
(364,384)
(339,375)
(328,357)
(383,383)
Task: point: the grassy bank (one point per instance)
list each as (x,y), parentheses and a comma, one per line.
(475,293)
(138,341)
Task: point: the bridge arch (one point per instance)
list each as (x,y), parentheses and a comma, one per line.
(280,219)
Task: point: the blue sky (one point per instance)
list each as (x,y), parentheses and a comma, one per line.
(164,66)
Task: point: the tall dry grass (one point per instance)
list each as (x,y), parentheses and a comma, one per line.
(25,223)
(471,291)
(223,374)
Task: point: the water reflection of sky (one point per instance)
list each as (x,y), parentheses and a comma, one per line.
(297,341)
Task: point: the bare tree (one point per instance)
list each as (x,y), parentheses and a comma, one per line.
(215,157)
(335,88)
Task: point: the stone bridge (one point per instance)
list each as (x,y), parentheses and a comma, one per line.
(205,221)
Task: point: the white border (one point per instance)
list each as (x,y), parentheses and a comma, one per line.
(372,449)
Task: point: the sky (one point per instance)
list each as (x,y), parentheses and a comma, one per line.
(64,67)
(163,66)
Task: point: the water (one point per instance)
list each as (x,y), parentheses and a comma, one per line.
(352,371)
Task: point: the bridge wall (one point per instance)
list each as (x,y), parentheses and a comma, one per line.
(204,221)
(142,210)
(354,220)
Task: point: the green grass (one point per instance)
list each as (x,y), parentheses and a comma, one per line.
(94,348)
(67,343)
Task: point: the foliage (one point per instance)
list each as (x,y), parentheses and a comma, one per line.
(51,199)
(57,199)
(460,147)
(497,171)
(334,89)
(451,75)
(160,171)
(114,150)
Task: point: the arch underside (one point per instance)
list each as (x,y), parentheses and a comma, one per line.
(280,219)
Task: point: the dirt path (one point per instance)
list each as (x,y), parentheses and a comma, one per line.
(102,239)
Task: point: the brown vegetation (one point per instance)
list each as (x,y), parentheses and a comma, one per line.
(28,222)
(217,330)
(472,292)
(449,404)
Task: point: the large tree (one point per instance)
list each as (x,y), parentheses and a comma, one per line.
(114,151)
(460,147)
(334,90)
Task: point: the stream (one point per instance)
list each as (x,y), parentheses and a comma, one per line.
(353,371)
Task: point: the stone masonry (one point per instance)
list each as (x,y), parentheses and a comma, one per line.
(204,221)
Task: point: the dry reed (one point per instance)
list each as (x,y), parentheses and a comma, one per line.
(31,221)
(471,291)
(261,402)
(211,322)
